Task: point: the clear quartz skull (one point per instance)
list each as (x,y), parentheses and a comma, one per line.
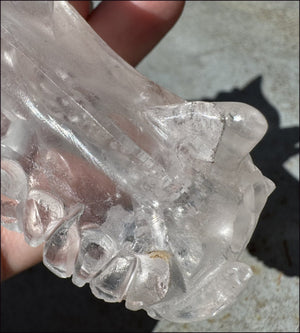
(145,196)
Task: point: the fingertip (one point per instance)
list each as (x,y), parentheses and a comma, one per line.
(16,254)
(133,28)
(168,11)
(83,7)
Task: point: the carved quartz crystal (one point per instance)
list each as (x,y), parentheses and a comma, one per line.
(147,197)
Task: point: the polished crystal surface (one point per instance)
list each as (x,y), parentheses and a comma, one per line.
(145,196)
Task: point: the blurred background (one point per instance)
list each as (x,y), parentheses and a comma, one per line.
(246,51)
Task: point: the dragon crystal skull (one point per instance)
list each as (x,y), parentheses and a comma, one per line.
(145,196)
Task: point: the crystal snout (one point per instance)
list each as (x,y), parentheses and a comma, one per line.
(130,250)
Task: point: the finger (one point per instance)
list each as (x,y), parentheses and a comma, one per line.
(83,7)
(16,254)
(133,28)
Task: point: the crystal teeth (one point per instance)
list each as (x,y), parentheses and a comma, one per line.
(43,212)
(111,284)
(61,248)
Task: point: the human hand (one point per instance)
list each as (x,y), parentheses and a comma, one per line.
(132,29)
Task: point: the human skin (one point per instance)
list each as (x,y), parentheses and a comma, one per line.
(132,29)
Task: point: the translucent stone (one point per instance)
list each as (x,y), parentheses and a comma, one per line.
(96,250)
(209,296)
(151,281)
(42,213)
(113,281)
(62,246)
(147,197)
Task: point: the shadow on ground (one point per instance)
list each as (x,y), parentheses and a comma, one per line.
(276,237)
(38,301)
